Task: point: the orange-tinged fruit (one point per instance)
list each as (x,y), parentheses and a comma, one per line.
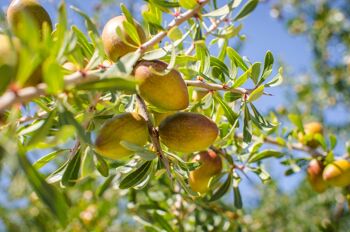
(113,44)
(166,92)
(337,173)
(129,127)
(188,132)
(211,165)
(314,176)
(31,8)
(311,130)
(8,60)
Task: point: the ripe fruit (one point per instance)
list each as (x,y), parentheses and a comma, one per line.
(113,44)
(338,173)
(166,92)
(211,165)
(129,127)
(314,176)
(311,130)
(188,132)
(30,8)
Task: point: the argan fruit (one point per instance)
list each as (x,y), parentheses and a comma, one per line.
(31,8)
(314,176)
(188,132)
(337,173)
(159,117)
(166,92)
(311,130)
(211,165)
(8,60)
(198,94)
(113,44)
(129,127)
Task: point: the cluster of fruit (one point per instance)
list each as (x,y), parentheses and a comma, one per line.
(164,89)
(167,93)
(321,176)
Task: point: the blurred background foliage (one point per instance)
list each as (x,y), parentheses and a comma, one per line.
(323,87)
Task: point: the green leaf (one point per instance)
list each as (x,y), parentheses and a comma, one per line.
(162,222)
(135,177)
(124,66)
(246,9)
(215,62)
(223,189)
(127,14)
(333,141)
(277,80)
(109,84)
(231,97)
(53,76)
(255,72)
(263,174)
(231,116)
(41,133)
(132,32)
(237,197)
(188,4)
(71,173)
(256,94)
(241,79)
(259,120)
(264,155)
(268,63)
(103,187)
(226,9)
(47,158)
(89,24)
(297,121)
(203,56)
(53,199)
(247,125)
(141,151)
(101,165)
(235,57)
(321,140)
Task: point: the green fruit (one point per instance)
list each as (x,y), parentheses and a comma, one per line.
(166,92)
(211,165)
(188,132)
(314,176)
(31,8)
(129,127)
(113,44)
(311,130)
(338,173)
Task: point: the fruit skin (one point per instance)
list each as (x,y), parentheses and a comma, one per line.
(113,44)
(31,8)
(311,129)
(188,132)
(211,165)
(337,173)
(8,60)
(129,127)
(166,92)
(314,176)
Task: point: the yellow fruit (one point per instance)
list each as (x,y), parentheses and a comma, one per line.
(129,127)
(113,44)
(199,94)
(314,176)
(338,173)
(211,165)
(31,8)
(8,60)
(188,132)
(166,92)
(311,129)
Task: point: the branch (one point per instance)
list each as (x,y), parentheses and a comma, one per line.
(153,133)
(211,86)
(26,94)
